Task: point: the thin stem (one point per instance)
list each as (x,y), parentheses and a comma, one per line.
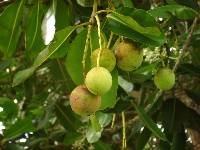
(91,21)
(123,131)
(85,50)
(99,34)
(110,39)
(104,11)
(113,121)
(82,24)
(186,45)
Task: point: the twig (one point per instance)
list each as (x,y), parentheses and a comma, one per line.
(182,96)
(123,131)
(104,11)
(99,34)
(186,45)
(91,21)
(110,39)
(113,121)
(85,50)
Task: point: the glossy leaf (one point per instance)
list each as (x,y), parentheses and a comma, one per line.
(130,28)
(74,58)
(73,62)
(34,41)
(60,38)
(10,28)
(95,123)
(149,122)
(48,24)
(109,99)
(92,136)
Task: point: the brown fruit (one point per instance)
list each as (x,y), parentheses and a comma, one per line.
(129,56)
(83,102)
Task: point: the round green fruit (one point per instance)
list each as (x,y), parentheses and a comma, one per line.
(129,56)
(98,80)
(83,102)
(107,59)
(164,79)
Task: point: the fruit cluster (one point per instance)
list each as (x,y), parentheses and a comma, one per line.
(86,99)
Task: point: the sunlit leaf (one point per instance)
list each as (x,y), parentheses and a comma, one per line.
(60,38)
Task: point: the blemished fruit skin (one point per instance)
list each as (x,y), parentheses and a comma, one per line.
(129,56)
(164,79)
(83,102)
(98,80)
(107,59)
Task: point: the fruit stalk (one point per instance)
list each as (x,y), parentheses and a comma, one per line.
(88,37)
(85,50)
(123,131)
(99,34)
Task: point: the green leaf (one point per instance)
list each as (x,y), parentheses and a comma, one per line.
(60,38)
(48,111)
(109,99)
(10,21)
(73,62)
(74,58)
(149,122)
(181,12)
(17,129)
(85,3)
(143,139)
(100,145)
(130,28)
(71,138)
(95,123)
(92,135)
(10,109)
(21,76)
(66,117)
(34,41)
(64,15)
(103,118)
(128,3)
(48,23)
(179,140)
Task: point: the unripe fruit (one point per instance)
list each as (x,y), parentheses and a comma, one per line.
(164,79)
(98,80)
(107,59)
(83,102)
(129,56)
